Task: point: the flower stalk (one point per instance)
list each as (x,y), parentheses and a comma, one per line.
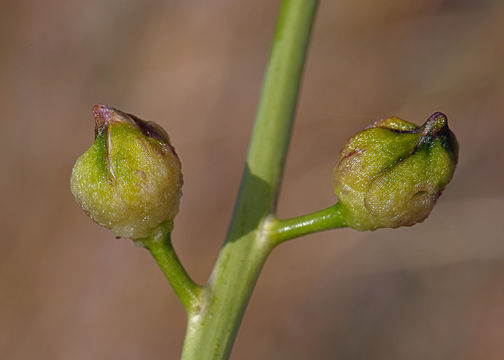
(279,231)
(161,249)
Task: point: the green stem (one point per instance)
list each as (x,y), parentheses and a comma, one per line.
(279,231)
(277,107)
(161,248)
(211,332)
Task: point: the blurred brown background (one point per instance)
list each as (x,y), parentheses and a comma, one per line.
(69,290)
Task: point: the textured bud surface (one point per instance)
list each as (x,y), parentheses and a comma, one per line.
(392,173)
(130,179)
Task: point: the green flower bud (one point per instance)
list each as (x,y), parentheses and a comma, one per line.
(392,173)
(130,179)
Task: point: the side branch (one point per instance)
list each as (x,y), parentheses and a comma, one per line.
(186,289)
(279,231)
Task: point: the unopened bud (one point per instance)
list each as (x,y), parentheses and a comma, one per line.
(392,173)
(130,179)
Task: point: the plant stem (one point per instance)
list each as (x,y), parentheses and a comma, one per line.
(211,332)
(279,231)
(161,248)
(277,107)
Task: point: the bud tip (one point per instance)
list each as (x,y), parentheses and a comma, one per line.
(436,123)
(103,115)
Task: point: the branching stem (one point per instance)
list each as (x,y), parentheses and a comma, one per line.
(161,248)
(279,231)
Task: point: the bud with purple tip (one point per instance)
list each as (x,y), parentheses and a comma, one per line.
(392,173)
(130,179)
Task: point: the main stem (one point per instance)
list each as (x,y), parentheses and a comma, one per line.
(211,331)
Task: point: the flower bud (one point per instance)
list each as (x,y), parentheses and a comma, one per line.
(130,179)
(392,173)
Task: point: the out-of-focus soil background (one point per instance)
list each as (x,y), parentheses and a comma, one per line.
(69,290)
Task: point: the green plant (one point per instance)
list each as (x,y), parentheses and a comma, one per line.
(388,175)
